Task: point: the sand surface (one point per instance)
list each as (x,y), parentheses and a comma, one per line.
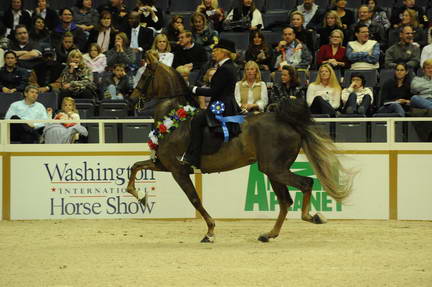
(168,253)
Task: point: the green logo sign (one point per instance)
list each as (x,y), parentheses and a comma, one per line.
(260,196)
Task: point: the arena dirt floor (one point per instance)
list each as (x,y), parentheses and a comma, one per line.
(168,253)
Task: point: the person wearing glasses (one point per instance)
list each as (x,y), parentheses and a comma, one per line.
(334,53)
(405,51)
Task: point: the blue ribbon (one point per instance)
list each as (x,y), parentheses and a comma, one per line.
(218,108)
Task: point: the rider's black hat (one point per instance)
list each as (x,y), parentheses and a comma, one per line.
(226,44)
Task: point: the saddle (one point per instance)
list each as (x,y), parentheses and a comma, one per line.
(213,136)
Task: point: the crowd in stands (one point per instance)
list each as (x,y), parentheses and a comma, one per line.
(343,57)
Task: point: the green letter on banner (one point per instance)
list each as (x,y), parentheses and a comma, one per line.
(256,190)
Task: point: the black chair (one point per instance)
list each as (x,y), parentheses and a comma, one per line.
(379,129)
(135,132)
(273,20)
(387,3)
(371,77)
(323,4)
(281,5)
(241,39)
(265,76)
(326,127)
(226,5)
(49,100)
(272,37)
(351,131)
(183,5)
(111,133)
(6,100)
(113,109)
(86,110)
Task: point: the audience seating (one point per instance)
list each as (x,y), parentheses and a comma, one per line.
(281,5)
(135,133)
(6,100)
(351,131)
(49,100)
(240,38)
(181,6)
(111,133)
(113,109)
(85,110)
(276,16)
(226,5)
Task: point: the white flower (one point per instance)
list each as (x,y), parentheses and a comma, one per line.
(189,108)
(168,123)
(153,137)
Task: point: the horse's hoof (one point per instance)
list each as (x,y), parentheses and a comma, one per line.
(143,197)
(207,239)
(318,218)
(263,238)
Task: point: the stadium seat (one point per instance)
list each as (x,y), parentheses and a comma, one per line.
(272,37)
(6,100)
(111,133)
(85,110)
(387,3)
(183,5)
(280,5)
(135,132)
(323,4)
(326,127)
(113,109)
(226,5)
(241,39)
(351,131)
(49,100)
(371,77)
(379,129)
(274,20)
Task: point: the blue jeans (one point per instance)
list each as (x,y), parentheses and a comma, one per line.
(421,102)
(392,108)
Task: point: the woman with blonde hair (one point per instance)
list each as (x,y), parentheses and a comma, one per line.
(297,20)
(162,46)
(409,17)
(324,95)
(202,34)
(214,14)
(331,22)
(251,93)
(333,53)
(76,79)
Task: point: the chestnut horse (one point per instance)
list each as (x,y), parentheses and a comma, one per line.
(273,139)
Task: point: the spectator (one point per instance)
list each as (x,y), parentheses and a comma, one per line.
(346,15)
(215,15)
(203,100)
(40,34)
(403,52)
(331,22)
(27,109)
(150,15)
(288,87)
(85,16)
(303,35)
(187,52)
(46,73)
(323,96)
(104,33)
(49,15)
(259,52)
(13,79)
(376,31)
(184,71)
(363,53)
(251,92)
(76,79)
(426,53)
(118,85)
(409,17)
(27,52)
(16,15)
(291,51)
(121,53)
(421,88)
(246,15)
(119,13)
(378,15)
(68,107)
(202,34)
(395,93)
(67,24)
(357,98)
(174,28)
(311,14)
(66,46)
(333,53)
(397,13)
(162,46)
(141,38)
(95,59)
(4,40)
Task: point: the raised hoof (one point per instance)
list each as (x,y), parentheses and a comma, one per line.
(143,197)
(263,238)
(318,218)
(207,239)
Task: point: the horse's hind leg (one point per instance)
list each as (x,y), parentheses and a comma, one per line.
(285,202)
(183,179)
(147,164)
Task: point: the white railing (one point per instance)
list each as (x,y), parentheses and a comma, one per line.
(5,145)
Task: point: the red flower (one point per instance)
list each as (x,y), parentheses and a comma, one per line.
(181,113)
(162,128)
(152,145)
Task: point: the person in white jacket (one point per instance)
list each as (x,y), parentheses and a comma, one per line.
(95,59)
(357,98)
(323,96)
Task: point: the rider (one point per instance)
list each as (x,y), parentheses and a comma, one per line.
(221,89)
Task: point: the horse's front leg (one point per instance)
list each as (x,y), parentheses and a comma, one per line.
(147,164)
(184,181)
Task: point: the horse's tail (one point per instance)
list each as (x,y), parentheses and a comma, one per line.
(319,149)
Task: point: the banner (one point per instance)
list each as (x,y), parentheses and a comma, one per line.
(1,187)
(414,188)
(54,187)
(246,192)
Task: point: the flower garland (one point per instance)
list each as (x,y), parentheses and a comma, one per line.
(169,124)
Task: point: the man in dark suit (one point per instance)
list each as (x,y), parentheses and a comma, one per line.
(140,38)
(221,89)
